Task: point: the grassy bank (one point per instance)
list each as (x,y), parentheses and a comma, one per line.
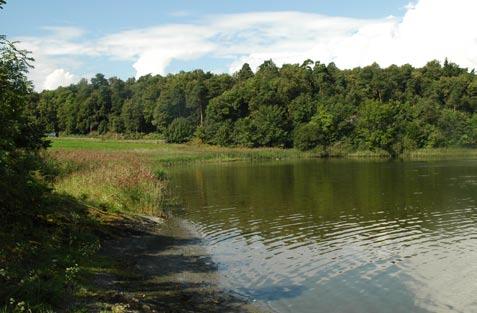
(160,152)
(110,181)
(443,153)
(48,257)
(115,181)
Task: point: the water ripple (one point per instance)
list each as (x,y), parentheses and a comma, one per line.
(401,237)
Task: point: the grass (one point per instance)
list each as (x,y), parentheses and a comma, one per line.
(160,152)
(441,153)
(116,181)
(75,143)
(47,256)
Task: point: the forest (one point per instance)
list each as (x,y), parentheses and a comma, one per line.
(394,109)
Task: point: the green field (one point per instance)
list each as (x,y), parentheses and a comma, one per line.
(175,153)
(75,143)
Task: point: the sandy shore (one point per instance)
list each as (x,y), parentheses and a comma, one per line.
(163,268)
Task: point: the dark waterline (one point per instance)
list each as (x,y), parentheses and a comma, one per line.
(340,236)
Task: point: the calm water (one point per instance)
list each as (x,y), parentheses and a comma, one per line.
(340,236)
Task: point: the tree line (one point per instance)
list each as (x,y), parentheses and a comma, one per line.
(307,106)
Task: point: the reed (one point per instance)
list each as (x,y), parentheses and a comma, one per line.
(117,181)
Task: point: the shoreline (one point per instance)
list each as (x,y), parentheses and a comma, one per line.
(161,267)
(168,154)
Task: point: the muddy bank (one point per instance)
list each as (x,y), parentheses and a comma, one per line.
(160,267)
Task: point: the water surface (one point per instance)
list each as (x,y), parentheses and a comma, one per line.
(340,236)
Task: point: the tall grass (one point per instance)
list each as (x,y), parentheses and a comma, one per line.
(117,181)
(441,153)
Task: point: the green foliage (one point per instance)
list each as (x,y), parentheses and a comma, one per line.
(20,136)
(269,127)
(179,131)
(244,73)
(132,117)
(307,136)
(301,109)
(393,109)
(380,126)
(171,104)
(455,129)
(42,235)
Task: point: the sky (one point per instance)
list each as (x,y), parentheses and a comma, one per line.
(74,39)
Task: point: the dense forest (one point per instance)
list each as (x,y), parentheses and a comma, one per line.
(393,109)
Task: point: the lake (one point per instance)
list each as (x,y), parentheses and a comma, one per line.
(339,235)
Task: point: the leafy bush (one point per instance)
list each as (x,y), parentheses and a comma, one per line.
(269,127)
(380,126)
(42,235)
(306,136)
(301,109)
(20,137)
(179,131)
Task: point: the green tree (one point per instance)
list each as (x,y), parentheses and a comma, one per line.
(333,105)
(119,94)
(380,126)
(269,127)
(307,136)
(48,112)
(171,104)
(198,100)
(21,138)
(301,109)
(132,117)
(244,73)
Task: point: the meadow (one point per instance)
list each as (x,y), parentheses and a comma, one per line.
(165,153)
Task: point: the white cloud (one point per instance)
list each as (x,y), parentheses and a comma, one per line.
(429,29)
(57,78)
(152,49)
(52,53)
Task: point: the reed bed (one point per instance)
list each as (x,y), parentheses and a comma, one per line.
(117,181)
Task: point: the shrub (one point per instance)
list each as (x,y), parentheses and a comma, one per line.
(306,136)
(179,131)
(269,127)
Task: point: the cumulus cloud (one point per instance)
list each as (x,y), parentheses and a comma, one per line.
(57,78)
(152,49)
(51,53)
(429,29)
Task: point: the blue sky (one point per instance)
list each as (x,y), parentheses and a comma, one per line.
(26,17)
(73,39)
